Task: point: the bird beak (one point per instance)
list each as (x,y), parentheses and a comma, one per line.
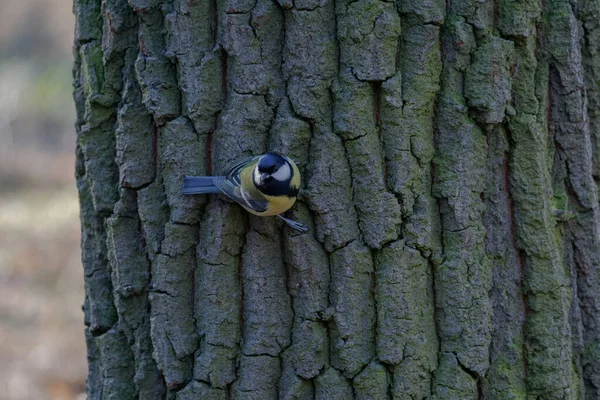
(265,177)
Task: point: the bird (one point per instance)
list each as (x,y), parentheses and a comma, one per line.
(264,185)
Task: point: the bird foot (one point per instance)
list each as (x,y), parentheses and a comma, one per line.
(299,226)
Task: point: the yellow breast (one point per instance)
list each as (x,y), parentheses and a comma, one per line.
(277,205)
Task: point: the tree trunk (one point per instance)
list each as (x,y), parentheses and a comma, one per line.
(450,158)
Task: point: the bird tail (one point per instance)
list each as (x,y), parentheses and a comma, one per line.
(199,185)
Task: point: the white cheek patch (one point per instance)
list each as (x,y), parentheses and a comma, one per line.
(283,174)
(256,176)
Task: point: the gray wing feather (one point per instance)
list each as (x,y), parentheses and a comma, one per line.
(256,205)
(228,188)
(234,172)
(230,185)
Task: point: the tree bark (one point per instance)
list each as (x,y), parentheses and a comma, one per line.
(450,161)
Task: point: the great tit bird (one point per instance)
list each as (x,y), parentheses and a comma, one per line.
(264,185)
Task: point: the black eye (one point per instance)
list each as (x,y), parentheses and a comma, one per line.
(268,170)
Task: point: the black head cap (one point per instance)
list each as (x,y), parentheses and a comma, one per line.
(270,162)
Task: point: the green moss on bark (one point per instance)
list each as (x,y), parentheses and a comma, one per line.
(449,166)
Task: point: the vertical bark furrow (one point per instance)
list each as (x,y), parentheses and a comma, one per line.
(181,153)
(406,341)
(463,280)
(548,352)
(265,78)
(307,267)
(171,314)
(452,380)
(155,72)
(308,270)
(153,212)
(378,210)
(589,14)
(407,122)
(310,60)
(292,386)
(240,135)
(131,276)
(96,80)
(179,68)
(487,80)
(129,267)
(586,242)
(506,375)
(93,384)
(308,283)
(171,299)
(96,136)
(519,23)
(117,366)
(352,330)
(570,126)
(368,32)
(267,325)
(291,135)
(329,190)
(218,293)
(245,133)
(148,379)
(406,338)
(488,91)
(190,42)
(309,66)
(134,130)
(101,314)
(354,121)
(332,385)
(547,334)
(134,133)
(171,248)
(371,383)
(257,378)
(99,308)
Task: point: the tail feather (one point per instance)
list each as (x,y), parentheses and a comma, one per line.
(199,185)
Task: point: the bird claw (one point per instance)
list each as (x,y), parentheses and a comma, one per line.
(299,226)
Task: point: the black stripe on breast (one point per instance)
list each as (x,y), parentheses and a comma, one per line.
(293,192)
(278,188)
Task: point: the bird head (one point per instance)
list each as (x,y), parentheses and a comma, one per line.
(272,169)
(272,173)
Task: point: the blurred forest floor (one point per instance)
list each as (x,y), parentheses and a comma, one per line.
(42,347)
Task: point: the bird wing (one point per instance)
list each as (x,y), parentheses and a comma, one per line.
(234,173)
(231,185)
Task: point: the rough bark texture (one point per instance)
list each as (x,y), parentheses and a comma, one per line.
(450,160)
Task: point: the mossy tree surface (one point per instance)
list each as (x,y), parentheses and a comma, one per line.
(450,160)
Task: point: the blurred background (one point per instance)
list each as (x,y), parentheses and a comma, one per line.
(42,348)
